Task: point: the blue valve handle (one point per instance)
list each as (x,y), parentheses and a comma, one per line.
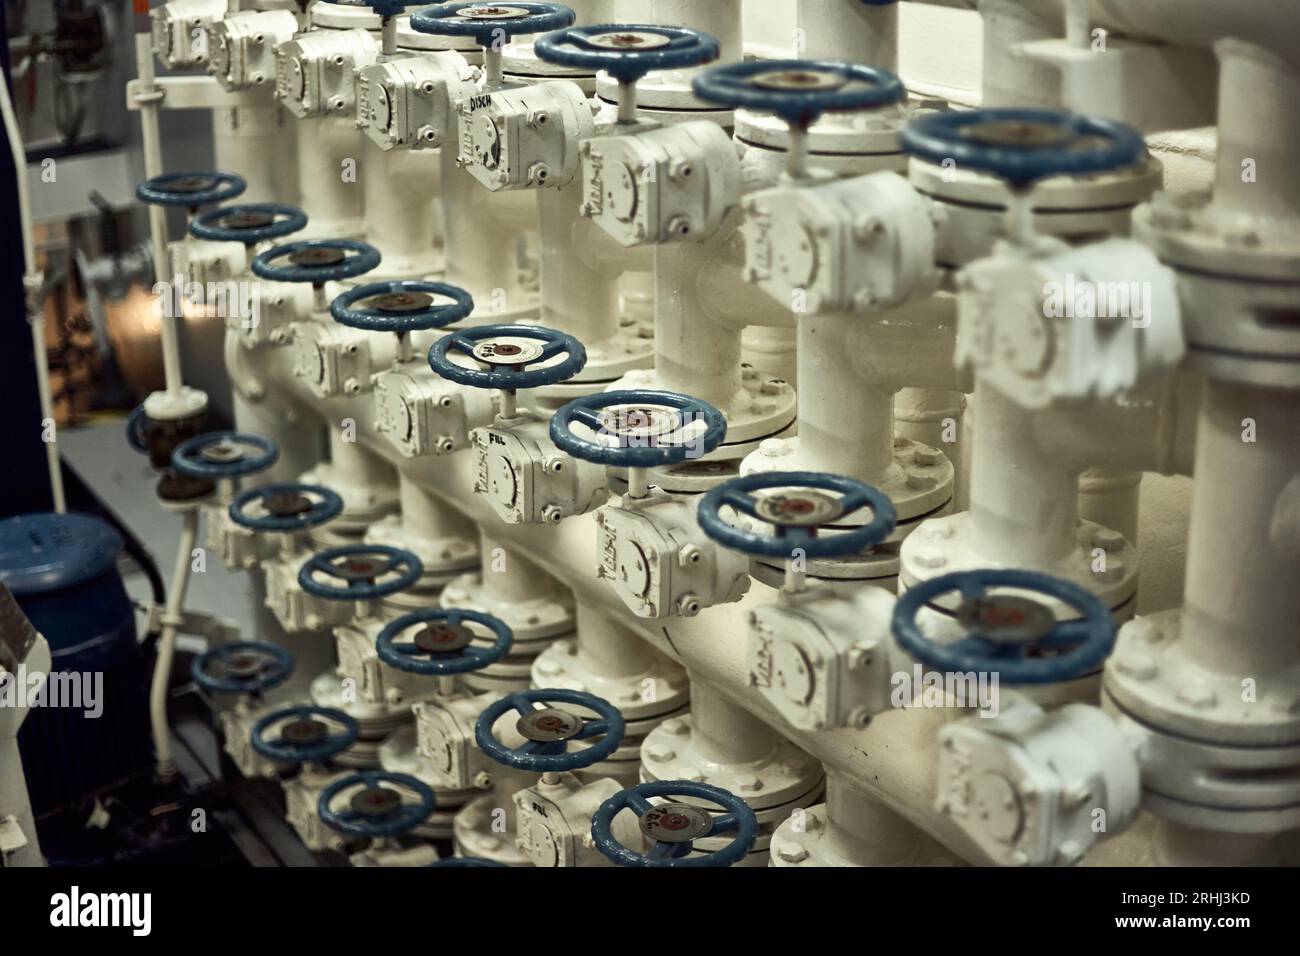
(1084,643)
(738,493)
(1024,145)
(413,658)
(543,756)
(242,667)
(247,223)
(308,513)
(363,259)
(190,189)
(359,566)
(789,88)
(448,19)
(511,363)
(219,455)
(393,8)
(466,861)
(621,50)
(378,810)
(304,747)
(397,317)
(738,817)
(136,423)
(637,450)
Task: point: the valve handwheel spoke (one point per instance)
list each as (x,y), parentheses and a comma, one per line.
(672,828)
(190,190)
(383,805)
(403,306)
(798,513)
(547,730)
(242,667)
(248,223)
(508,351)
(304,734)
(317,261)
(1023,145)
(286,507)
(1009,633)
(361,567)
(225,455)
(639,428)
(444,646)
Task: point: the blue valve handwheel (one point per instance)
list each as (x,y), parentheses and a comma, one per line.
(302,734)
(407,305)
(646,419)
(393,8)
(799,91)
(190,189)
(242,667)
(286,506)
(1024,145)
(509,359)
(317,261)
(627,51)
(797,517)
(136,424)
(672,829)
(225,455)
(445,646)
(489,23)
(248,223)
(548,730)
(360,566)
(466,861)
(1004,629)
(378,808)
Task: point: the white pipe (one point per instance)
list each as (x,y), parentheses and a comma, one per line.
(853,31)
(609,647)
(578,295)
(254,142)
(334,205)
(401,216)
(482,232)
(172,618)
(151,140)
(35,308)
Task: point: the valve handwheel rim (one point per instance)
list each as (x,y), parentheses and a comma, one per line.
(797,518)
(1012,627)
(317,261)
(684,412)
(249,667)
(445,647)
(674,828)
(510,361)
(1022,145)
(136,430)
(289,507)
(405,305)
(549,730)
(191,190)
(248,223)
(363,565)
(486,22)
(596,48)
(225,455)
(799,91)
(376,810)
(309,735)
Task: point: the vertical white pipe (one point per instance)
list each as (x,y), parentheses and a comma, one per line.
(400,186)
(334,206)
(608,646)
(255,143)
(518,581)
(171,620)
(577,297)
(724,732)
(693,353)
(848,30)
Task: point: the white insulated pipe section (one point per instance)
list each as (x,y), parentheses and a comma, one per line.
(578,296)
(400,189)
(848,30)
(333,201)
(253,142)
(609,647)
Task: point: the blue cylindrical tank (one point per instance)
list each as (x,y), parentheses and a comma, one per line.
(62,569)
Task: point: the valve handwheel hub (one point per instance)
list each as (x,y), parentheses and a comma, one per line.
(288,505)
(676,823)
(443,638)
(550,725)
(304,732)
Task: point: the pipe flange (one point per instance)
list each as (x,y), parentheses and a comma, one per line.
(444,558)
(1153,676)
(363,504)
(661,688)
(834,137)
(532,621)
(376,721)
(398,754)
(812,839)
(344,16)
(782,775)
(1103,562)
